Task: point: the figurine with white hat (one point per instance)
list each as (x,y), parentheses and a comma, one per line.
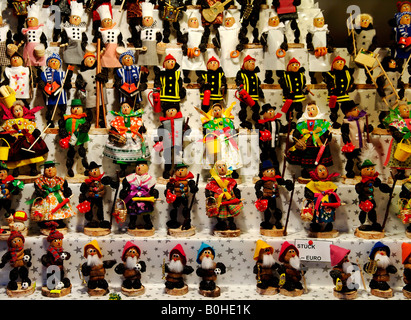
(5,38)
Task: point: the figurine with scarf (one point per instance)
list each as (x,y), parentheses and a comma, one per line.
(247,80)
(321,194)
(21,133)
(53,88)
(267,197)
(223,198)
(171,12)
(6,38)
(73,131)
(313,139)
(177,191)
(339,81)
(402,35)
(287,11)
(9,187)
(139,194)
(354,132)
(92,6)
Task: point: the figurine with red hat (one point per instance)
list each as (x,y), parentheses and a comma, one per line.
(342,273)
(249,90)
(131,268)
(265,268)
(213,84)
(52,260)
(176,269)
(19,259)
(406,261)
(290,270)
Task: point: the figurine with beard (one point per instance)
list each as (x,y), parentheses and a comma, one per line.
(290,271)
(264,268)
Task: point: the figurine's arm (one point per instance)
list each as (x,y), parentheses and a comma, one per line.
(154,192)
(27,257)
(309,40)
(237,192)
(188,270)
(84,41)
(4,259)
(308,194)
(108,264)
(220,268)
(120,268)
(142,265)
(9,39)
(192,186)
(345,132)
(263,39)
(43,40)
(85,269)
(64,38)
(67,192)
(126,189)
(392,269)
(216,40)
(258,185)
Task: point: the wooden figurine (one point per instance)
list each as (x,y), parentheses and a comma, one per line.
(73,132)
(313,139)
(131,268)
(16,221)
(250,15)
(249,91)
(401,34)
(342,273)
(126,142)
(139,195)
(290,270)
(406,261)
(177,193)
(287,11)
(213,84)
(171,13)
(57,284)
(380,267)
(19,259)
(176,269)
(264,269)
(20,11)
(354,133)
(51,199)
(212,12)
(267,198)
(95,268)
(54,84)
(208,271)
(92,7)
(9,187)
(223,200)
(405,206)
(6,38)
(275,45)
(25,149)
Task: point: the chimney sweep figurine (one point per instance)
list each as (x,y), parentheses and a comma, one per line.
(208,271)
(249,90)
(73,131)
(267,198)
(343,273)
(213,84)
(126,142)
(354,131)
(177,193)
(19,259)
(321,194)
(275,45)
(264,269)
(131,268)
(176,269)
(290,271)
(405,205)
(95,268)
(171,12)
(51,199)
(406,261)
(380,266)
(139,195)
(57,284)
(287,11)
(223,200)
(6,37)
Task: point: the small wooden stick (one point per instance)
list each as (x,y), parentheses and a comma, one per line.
(362,276)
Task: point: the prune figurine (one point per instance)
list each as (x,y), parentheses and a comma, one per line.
(20,11)
(171,12)
(223,200)
(19,259)
(64,8)
(209,15)
(209,270)
(405,205)
(250,15)
(73,132)
(380,267)
(401,35)
(177,193)
(290,270)
(265,269)
(267,192)
(406,261)
(131,268)
(95,268)
(16,221)
(6,38)
(176,269)
(92,7)
(9,187)
(287,11)
(57,284)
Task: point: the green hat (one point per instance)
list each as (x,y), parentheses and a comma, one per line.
(181,165)
(49,163)
(76,102)
(3,166)
(367,163)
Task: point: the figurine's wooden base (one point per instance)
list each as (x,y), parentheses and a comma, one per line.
(97,292)
(227,233)
(21,292)
(406,294)
(179,233)
(55,293)
(408,234)
(28,179)
(6,235)
(46,232)
(161,180)
(177,292)
(345,295)
(133,292)
(369,235)
(96,232)
(141,232)
(274,232)
(324,234)
(303,180)
(270,291)
(351,181)
(210,293)
(294,293)
(381,132)
(382,293)
(390,181)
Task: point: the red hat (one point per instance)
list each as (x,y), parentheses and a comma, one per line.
(247,58)
(401,3)
(14,234)
(293,60)
(337,59)
(406,251)
(284,247)
(20,215)
(129,245)
(180,251)
(213,59)
(337,254)
(168,57)
(54,234)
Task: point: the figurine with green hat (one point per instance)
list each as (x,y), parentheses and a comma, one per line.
(73,132)
(9,186)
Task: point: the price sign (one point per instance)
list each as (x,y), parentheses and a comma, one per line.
(314,250)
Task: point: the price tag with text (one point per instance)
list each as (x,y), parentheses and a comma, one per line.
(314,250)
